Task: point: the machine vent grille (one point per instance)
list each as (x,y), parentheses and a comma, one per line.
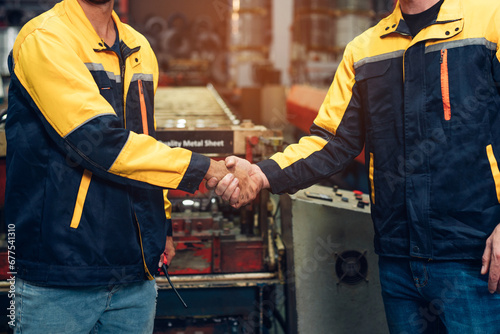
(351,267)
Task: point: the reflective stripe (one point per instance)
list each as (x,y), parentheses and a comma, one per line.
(142,76)
(372,183)
(494,169)
(462,43)
(445,85)
(144,112)
(96,67)
(377,58)
(80,199)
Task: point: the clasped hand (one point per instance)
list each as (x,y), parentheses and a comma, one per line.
(241,184)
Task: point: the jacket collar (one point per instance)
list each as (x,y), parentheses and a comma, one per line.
(451,11)
(78,18)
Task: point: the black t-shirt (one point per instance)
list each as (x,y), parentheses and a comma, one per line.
(417,22)
(116,45)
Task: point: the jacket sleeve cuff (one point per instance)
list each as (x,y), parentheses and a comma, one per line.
(275,175)
(198,168)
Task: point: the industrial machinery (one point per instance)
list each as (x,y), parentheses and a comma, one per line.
(332,273)
(197,118)
(227,264)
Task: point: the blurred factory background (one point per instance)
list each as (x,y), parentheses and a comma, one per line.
(249,76)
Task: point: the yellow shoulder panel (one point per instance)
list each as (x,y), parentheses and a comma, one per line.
(72,97)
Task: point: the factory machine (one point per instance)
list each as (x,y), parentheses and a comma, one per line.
(332,278)
(228,261)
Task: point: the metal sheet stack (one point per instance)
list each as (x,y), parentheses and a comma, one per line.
(353,17)
(196,118)
(315,24)
(250,31)
(321,31)
(191,108)
(7,37)
(250,25)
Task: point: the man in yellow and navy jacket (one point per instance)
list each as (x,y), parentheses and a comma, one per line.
(85,176)
(421,90)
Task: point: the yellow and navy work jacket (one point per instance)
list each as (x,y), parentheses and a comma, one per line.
(85,175)
(428,110)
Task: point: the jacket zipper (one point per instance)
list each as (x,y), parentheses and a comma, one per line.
(144,112)
(372,182)
(143,107)
(122,76)
(148,274)
(123,59)
(445,85)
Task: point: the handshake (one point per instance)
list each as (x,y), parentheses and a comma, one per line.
(236,180)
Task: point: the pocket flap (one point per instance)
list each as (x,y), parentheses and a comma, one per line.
(372,70)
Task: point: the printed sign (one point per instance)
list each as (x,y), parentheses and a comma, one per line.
(199,141)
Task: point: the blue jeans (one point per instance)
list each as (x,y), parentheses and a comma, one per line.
(124,308)
(438,297)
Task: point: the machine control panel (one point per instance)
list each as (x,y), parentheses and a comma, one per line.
(335,197)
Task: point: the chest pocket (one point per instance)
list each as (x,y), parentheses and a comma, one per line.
(378,84)
(372,70)
(140,105)
(106,86)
